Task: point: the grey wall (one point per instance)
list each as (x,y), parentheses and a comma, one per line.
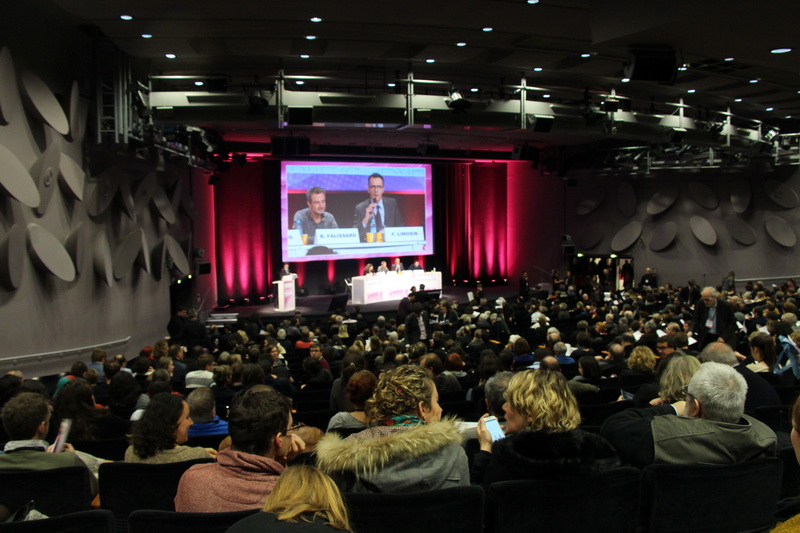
(686,257)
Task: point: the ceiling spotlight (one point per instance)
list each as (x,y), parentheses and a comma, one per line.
(625,80)
(430,60)
(462,43)
(533,1)
(170,56)
(545,96)
(737,100)
(316,19)
(586,55)
(728,59)
(198,83)
(391,84)
(780,50)
(769,133)
(304,56)
(488,28)
(311,37)
(300,82)
(474,90)
(126,17)
(691,91)
(537,69)
(456,101)
(754,80)
(147,36)
(770,109)
(787,117)
(683,67)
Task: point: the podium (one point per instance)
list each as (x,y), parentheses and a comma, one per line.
(285,292)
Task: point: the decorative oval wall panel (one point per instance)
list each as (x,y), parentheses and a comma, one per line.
(127,252)
(12,257)
(45,172)
(76,246)
(780,231)
(101,192)
(626,199)
(594,198)
(143,259)
(783,195)
(44,103)
(591,236)
(163,205)
(662,200)
(103,265)
(663,236)
(16,179)
(126,198)
(9,94)
(175,251)
(703,195)
(73,174)
(741,194)
(49,254)
(703,230)
(740,230)
(626,236)
(75,126)
(144,190)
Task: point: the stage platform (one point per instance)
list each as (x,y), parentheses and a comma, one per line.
(315,307)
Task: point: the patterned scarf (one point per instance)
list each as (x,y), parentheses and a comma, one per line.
(402,420)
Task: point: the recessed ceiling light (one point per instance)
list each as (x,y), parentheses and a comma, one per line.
(780,50)
(533,1)
(770,109)
(170,56)
(625,80)
(316,19)
(738,100)
(474,90)
(391,84)
(545,96)
(147,36)
(754,80)
(691,91)
(430,60)
(311,37)
(683,67)
(126,17)
(462,43)
(198,83)
(537,69)
(586,55)
(728,59)
(488,28)
(299,82)
(788,116)
(304,56)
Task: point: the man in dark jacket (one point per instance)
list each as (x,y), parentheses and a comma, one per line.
(713,320)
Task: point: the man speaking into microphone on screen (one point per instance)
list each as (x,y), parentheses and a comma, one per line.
(376,213)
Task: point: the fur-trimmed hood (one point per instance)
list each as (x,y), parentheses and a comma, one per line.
(396,458)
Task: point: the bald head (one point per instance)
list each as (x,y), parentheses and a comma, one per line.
(718,352)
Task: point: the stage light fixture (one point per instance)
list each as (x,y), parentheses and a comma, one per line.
(456,101)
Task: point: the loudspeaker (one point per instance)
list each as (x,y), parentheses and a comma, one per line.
(652,63)
(540,123)
(300,116)
(568,249)
(202,268)
(291,145)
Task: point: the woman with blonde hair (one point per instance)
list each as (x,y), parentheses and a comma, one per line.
(676,376)
(304,499)
(542,439)
(407,448)
(641,361)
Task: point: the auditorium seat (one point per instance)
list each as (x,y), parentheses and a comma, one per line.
(318,419)
(111,449)
(147,521)
(206,441)
(127,487)
(57,491)
(606,502)
(790,481)
(595,415)
(97,521)
(710,498)
(454,510)
(777,417)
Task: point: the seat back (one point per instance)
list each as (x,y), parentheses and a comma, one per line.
(454,510)
(680,498)
(206,441)
(595,415)
(97,521)
(606,502)
(127,487)
(146,521)
(57,491)
(111,449)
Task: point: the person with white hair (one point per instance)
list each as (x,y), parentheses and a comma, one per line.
(709,427)
(713,320)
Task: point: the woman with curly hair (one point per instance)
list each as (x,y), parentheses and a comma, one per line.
(641,362)
(89,422)
(304,499)
(407,448)
(358,391)
(159,434)
(542,437)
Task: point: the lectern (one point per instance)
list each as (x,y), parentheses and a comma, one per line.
(285,292)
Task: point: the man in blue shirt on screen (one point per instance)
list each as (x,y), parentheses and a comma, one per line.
(314,217)
(385,210)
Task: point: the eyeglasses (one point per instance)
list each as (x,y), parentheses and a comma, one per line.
(685,391)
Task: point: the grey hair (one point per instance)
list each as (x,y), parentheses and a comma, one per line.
(718,352)
(712,291)
(560,348)
(721,392)
(651,325)
(495,390)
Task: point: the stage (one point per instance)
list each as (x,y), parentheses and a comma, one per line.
(316,307)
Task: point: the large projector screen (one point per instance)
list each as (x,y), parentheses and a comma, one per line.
(336,210)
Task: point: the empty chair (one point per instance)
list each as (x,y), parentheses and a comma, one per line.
(111,449)
(127,487)
(454,510)
(606,502)
(98,521)
(680,498)
(146,521)
(57,491)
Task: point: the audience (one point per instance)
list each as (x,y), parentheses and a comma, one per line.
(359,390)
(203,412)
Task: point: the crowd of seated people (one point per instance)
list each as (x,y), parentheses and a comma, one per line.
(385,391)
